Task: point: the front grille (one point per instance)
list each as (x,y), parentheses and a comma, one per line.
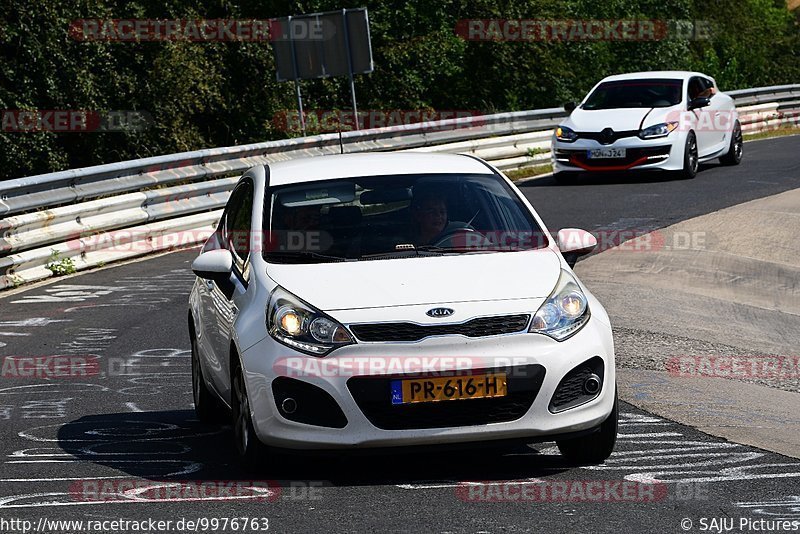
(631,155)
(569,392)
(604,139)
(480,327)
(373,396)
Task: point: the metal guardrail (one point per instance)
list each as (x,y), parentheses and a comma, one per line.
(100,214)
(74,185)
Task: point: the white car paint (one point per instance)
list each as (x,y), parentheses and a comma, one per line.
(232,328)
(712,125)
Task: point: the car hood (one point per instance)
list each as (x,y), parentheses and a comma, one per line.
(421,280)
(624,119)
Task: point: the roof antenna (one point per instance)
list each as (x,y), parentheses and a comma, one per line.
(341,144)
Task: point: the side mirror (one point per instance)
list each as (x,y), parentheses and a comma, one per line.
(569,107)
(699,102)
(574,243)
(214,265)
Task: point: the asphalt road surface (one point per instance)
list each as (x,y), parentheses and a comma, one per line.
(119,441)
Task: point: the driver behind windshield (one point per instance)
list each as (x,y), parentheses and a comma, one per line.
(429,217)
(430,224)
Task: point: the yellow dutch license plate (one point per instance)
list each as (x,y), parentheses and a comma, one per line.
(449,388)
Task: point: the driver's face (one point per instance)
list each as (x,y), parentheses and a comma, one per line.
(432,217)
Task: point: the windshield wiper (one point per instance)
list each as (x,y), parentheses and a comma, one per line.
(301,254)
(467,250)
(413,251)
(459,250)
(399,253)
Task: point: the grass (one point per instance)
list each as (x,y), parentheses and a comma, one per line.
(532,152)
(527,172)
(777,132)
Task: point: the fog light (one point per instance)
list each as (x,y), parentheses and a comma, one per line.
(289,405)
(592,384)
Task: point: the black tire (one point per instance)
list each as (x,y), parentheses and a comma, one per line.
(736,148)
(596,447)
(691,161)
(207,406)
(252,453)
(566,178)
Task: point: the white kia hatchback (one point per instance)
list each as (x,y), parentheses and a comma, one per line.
(644,121)
(386,300)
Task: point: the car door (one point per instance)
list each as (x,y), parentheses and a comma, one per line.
(207,328)
(235,237)
(703,118)
(721,119)
(205,318)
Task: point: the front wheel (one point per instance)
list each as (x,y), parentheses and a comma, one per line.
(594,448)
(207,406)
(736,149)
(691,160)
(251,451)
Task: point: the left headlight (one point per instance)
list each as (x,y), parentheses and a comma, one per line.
(564,312)
(299,325)
(658,130)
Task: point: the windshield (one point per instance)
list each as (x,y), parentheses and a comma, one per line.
(635,94)
(380,217)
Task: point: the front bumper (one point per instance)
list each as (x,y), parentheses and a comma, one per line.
(266,361)
(655,154)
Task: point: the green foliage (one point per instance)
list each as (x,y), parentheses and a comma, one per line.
(58,265)
(532,152)
(209,94)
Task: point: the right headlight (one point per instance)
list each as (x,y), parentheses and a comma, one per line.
(565,134)
(564,312)
(301,326)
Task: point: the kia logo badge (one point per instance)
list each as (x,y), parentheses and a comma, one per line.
(440,312)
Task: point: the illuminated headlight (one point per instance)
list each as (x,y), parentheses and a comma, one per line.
(300,326)
(658,130)
(564,312)
(565,134)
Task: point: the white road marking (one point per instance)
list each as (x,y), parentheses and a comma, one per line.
(33,321)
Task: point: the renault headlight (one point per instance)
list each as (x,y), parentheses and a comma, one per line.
(564,312)
(565,134)
(302,327)
(658,130)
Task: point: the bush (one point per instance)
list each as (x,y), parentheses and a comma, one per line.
(202,95)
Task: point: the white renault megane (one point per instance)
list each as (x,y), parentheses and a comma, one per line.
(384,300)
(668,121)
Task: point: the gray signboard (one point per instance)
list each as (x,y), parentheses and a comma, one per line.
(336,43)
